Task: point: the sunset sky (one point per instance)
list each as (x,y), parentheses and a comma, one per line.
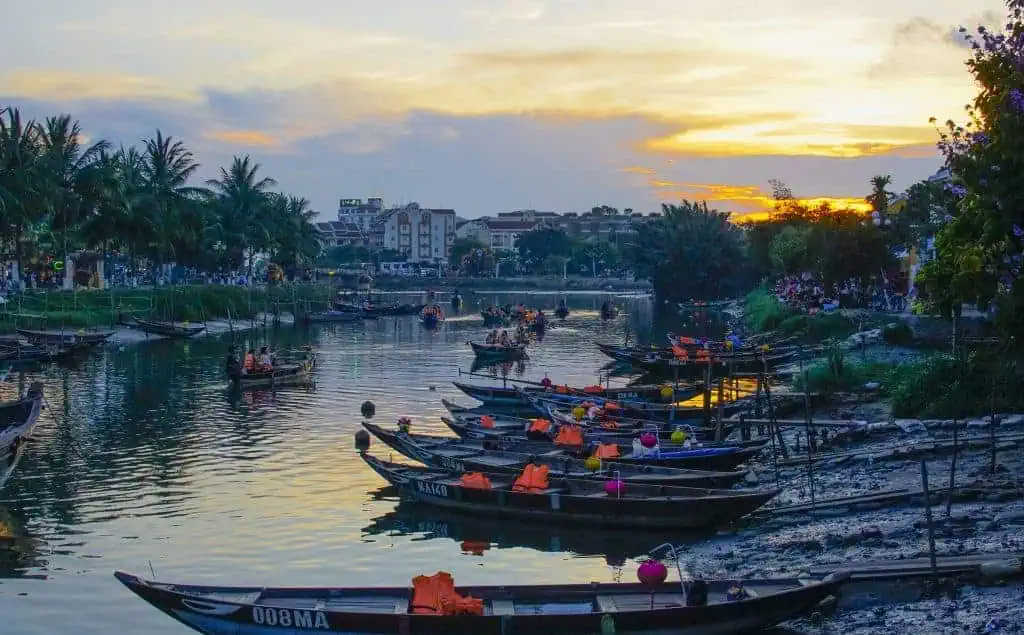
(494,105)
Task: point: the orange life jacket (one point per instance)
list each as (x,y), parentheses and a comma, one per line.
(487,421)
(250,361)
(562,390)
(591,390)
(611,405)
(703,355)
(610,425)
(533,479)
(435,595)
(540,425)
(607,451)
(569,435)
(476,480)
(680,352)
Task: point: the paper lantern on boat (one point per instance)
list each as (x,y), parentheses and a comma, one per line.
(648,440)
(578,412)
(678,436)
(666,392)
(593,463)
(651,573)
(404,424)
(614,487)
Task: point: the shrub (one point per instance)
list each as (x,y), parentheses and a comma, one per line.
(898,334)
(942,386)
(762,311)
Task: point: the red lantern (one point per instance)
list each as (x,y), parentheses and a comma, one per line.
(648,440)
(614,487)
(651,573)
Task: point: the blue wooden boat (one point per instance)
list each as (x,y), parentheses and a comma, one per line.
(694,608)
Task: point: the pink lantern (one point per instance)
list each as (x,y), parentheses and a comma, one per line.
(614,487)
(648,440)
(651,573)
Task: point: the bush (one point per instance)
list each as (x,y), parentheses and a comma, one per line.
(835,374)
(762,311)
(945,387)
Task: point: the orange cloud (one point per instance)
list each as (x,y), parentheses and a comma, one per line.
(746,202)
(253,138)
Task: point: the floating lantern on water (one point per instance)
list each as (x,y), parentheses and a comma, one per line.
(578,412)
(678,436)
(614,487)
(593,463)
(404,424)
(666,392)
(648,440)
(368,409)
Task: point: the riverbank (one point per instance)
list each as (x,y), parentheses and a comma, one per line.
(128,335)
(530,283)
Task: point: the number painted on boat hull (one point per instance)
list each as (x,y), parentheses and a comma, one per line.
(626,395)
(452,464)
(289,618)
(433,489)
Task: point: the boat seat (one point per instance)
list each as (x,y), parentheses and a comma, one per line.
(503,607)
(607,604)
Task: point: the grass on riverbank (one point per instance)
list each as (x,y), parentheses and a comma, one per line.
(763,312)
(193,303)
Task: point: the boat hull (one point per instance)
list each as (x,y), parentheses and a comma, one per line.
(509,610)
(167,329)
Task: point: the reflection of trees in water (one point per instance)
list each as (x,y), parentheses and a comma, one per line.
(125,417)
(478,535)
(18,551)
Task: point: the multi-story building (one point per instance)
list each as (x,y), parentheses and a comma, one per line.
(422,234)
(364,214)
(336,233)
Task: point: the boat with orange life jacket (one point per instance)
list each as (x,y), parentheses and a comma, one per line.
(510,396)
(487,456)
(433,604)
(498,351)
(718,456)
(535,494)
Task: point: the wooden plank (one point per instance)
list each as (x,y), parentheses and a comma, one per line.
(503,607)
(607,604)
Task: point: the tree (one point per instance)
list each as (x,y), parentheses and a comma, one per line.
(690,252)
(979,251)
(880,197)
(535,246)
(792,250)
(243,208)
(462,247)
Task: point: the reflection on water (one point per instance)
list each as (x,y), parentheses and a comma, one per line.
(145,458)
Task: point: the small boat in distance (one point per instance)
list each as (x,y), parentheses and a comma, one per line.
(19,418)
(432,316)
(700,608)
(498,351)
(174,330)
(66,337)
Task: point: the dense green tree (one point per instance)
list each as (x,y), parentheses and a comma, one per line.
(979,251)
(691,252)
(462,247)
(536,246)
(792,250)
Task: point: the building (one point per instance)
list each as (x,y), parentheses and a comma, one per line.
(475,229)
(335,233)
(504,234)
(598,225)
(364,214)
(422,234)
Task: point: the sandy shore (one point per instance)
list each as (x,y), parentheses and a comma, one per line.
(128,335)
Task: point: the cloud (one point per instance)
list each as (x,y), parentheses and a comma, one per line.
(55,85)
(245,138)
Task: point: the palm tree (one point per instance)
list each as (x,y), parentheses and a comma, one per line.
(73,172)
(244,206)
(879,197)
(169,201)
(21,179)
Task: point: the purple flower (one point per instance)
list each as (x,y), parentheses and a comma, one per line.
(1017,99)
(980,138)
(1017,231)
(958,191)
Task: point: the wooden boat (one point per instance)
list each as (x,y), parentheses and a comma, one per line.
(20,353)
(718,457)
(506,396)
(497,351)
(609,312)
(332,317)
(66,337)
(570,609)
(562,312)
(9,460)
(374,311)
(19,418)
(657,413)
(574,501)
(457,456)
(495,319)
(430,320)
(281,375)
(176,330)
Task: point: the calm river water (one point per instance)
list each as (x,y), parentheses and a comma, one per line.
(145,459)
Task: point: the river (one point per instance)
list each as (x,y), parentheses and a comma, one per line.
(146,462)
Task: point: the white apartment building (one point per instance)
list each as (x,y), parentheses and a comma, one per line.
(422,234)
(360,213)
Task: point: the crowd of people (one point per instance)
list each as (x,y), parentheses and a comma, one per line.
(807,294)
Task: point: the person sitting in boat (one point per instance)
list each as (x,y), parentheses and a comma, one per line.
(492,337)
(265,362)
(546,382)
(503,340)
(249,366)
(520,333)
